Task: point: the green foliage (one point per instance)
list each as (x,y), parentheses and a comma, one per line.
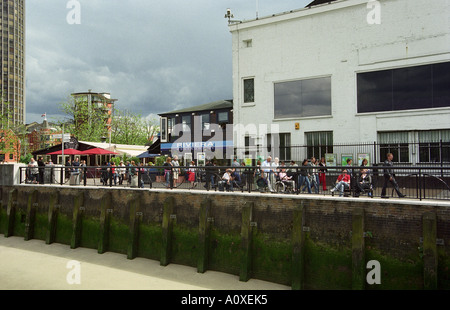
(160,160)
(25,159)
(89,124)
(83,121)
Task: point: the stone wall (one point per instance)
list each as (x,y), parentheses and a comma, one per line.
(303,241)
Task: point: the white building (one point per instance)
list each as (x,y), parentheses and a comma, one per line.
(349,71)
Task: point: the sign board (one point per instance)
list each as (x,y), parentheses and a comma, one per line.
(59,136)
(201,159)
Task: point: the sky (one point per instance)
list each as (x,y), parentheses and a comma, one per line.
(152,56)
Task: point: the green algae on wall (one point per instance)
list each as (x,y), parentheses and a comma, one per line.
(224,252)
(397,274)
(118,236)
(272,259)
(63,229)
(327,267)
(149,242)
(184,245)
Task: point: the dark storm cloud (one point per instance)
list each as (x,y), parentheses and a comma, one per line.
(153,56)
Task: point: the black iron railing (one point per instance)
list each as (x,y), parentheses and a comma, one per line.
(415,182)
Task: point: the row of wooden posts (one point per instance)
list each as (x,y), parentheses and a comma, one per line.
(248,229)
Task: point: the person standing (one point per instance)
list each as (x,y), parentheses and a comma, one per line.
(192,174)
(322,173)
(167,171)
(266,168)
(314,175)
(304,177)
(176,171)
(209,175)
(389,176)
(121,170)
(34,170)
(274,172)
(41,166)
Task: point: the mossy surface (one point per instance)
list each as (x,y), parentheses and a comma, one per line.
(150,241)
(272,259)
(64,229)
(118,236)
(90,230)
(327,267)
(224,252)
(184,245)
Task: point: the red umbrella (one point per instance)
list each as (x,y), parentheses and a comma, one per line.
(67,152)
(98,151)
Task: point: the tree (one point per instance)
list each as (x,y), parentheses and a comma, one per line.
(129,128)
(12,136)
(89,123)
(85,122)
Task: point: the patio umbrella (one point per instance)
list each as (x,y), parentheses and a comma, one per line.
(98,151)
(67,152)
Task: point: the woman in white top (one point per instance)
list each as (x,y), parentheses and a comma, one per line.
(176,171)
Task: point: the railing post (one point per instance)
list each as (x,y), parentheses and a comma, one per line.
(420,185)
(61,172)
(84,176)
(139,177)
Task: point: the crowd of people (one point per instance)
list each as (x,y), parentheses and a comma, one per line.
(309,176)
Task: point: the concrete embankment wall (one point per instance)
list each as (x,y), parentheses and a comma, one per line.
(305,241)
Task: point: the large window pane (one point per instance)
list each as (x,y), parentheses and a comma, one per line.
(412,88)
(303,98)
(441,85)
(374,91)
(418,87)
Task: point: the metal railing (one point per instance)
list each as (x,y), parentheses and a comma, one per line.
(415,182)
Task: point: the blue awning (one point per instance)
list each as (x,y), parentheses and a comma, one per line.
(190,146)
(147,155)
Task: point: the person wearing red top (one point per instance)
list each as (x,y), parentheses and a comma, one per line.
(342,183)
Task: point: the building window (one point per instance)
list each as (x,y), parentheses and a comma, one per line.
(171,122)
(419,87)
(205,121)
(319,143)
(396,143)
(248,43)
(303,98)
(222,117)
(249,90)
(279,145)
(163,129)
(434,146)
(186,121)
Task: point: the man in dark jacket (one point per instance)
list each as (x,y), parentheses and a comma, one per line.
(389,176)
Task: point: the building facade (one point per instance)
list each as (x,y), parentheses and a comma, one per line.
(345,72)
(198,133)
(12,82)
(99,102)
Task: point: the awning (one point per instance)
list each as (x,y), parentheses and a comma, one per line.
(189,146)
(147,155)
